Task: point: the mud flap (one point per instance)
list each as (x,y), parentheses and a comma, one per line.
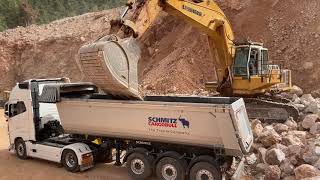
(239,171)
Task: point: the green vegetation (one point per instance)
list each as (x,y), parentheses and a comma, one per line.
(25,12)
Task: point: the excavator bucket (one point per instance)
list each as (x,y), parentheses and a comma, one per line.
(111,64)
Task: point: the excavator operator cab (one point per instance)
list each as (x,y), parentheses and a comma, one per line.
(250,60)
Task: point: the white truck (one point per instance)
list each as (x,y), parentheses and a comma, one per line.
(173,137)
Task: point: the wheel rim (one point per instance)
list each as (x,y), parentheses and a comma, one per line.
(137,166)
(204,174)
(20,150)
(169,172)
(71,160)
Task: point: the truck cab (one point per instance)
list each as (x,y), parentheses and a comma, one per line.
(34,129)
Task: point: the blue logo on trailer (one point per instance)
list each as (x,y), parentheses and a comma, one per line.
(185,122)
(168,122)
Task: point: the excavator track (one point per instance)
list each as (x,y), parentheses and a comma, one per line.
(270,109)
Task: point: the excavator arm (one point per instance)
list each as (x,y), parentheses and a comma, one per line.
(206,15)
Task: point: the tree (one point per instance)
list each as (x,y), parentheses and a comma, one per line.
(15,13)
(27,14)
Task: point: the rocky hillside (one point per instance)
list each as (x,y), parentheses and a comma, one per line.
(175,55)
(289,28)
(289,150)
(49,50)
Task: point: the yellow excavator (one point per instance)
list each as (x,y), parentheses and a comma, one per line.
(242,68)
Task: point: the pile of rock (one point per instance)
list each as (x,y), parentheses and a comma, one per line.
(306,103)
(291,150)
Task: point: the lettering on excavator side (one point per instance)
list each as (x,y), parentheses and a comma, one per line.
(190,9)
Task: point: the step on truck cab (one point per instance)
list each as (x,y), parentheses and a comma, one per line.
(171,137)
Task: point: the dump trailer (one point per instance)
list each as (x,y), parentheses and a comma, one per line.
(172,137)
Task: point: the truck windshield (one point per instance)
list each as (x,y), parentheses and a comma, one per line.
(241,61)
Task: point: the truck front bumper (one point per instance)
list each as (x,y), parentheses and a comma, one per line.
(239,171)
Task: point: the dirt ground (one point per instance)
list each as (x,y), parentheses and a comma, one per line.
(12,168)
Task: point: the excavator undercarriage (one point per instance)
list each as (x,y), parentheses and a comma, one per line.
(270,109)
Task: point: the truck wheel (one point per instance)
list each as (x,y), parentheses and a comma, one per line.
(21,150)
(204,171)
(139,166)
(70,161)
(170,169)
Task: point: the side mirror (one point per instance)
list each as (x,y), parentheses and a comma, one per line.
(6,111)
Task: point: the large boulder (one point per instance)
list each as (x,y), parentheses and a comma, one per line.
(312,108)
(300,107)
(296,90)
(261,167)
(306,99)
(251,159)
(299,134)
(287,168)
(293,150)
(317,164)
(315,129)
(291,140)
(272,173)
(262,154)
(256,127)
(310,153)
(292,124)
(316,93)
(306,171)
(269,136)
(309,121)
(275,156)
(295,99)
(280,128)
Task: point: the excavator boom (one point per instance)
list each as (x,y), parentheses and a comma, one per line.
(242,69)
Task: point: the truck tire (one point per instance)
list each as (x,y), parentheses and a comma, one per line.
(21,150)
(204,171)
(69,161)
(169,168)
(139,166)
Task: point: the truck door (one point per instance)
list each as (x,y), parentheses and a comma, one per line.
(17,115)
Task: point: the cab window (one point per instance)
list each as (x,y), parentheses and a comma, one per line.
(16,109)
(241,60)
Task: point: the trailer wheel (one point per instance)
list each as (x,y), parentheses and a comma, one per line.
(170,169)
(21,150)
(139,166)
(70,161)
(204,171)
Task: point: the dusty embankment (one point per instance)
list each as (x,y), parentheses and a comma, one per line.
(175,55)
